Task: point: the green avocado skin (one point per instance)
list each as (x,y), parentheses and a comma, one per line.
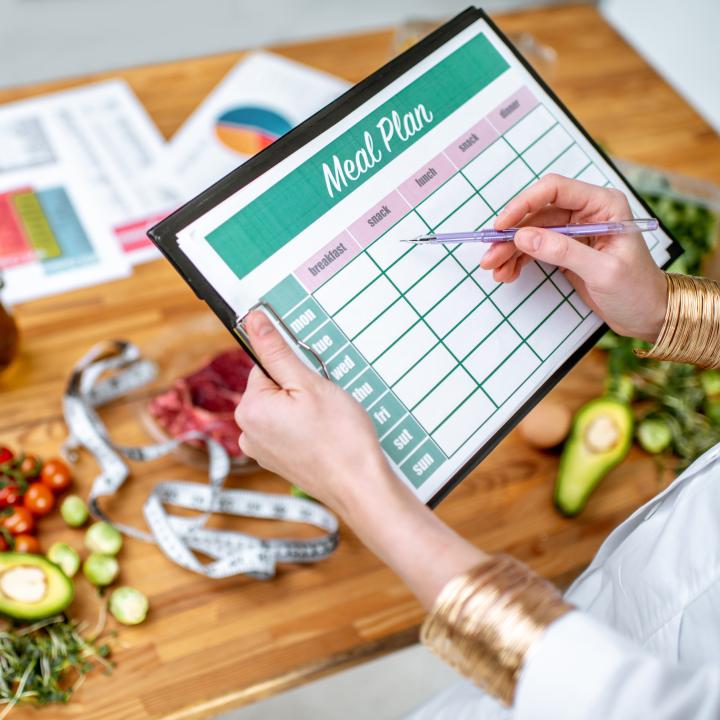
(60,588)
(581,470)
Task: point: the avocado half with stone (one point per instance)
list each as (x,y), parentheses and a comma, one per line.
(32,587)
(600,438)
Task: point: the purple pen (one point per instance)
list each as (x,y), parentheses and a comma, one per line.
(488,235)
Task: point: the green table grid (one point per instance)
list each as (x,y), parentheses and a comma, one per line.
(421,317)
(282,292)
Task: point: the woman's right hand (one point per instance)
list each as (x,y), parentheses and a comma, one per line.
(615,275)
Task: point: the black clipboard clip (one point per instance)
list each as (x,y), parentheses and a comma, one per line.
(239,328)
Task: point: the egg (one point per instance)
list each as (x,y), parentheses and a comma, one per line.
(547,425)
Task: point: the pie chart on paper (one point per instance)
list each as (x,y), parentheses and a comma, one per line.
(248,129)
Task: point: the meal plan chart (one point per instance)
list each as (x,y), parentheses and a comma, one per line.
(439,354)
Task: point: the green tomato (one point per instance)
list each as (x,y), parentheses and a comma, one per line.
(654,435)
(74,511)
(102,537)
(100,570)
(65,556)
(128,605)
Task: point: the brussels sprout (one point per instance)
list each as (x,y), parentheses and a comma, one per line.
(103,538)
(100,570)
(65,556)
(128,605)
(654,435)
(74,511)
(710,382)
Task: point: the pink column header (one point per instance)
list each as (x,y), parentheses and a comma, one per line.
(471,144)
(379,218)
(327,261)
(427,179)
(519,104)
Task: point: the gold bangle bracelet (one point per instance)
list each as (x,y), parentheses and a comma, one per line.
(484,622)
(691,329)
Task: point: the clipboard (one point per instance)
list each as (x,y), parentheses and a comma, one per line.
(167,235)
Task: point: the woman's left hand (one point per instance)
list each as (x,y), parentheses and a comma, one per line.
(304,427)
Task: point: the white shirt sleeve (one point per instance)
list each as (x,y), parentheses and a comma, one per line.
(583,670)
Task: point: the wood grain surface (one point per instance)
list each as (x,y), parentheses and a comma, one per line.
(212,645)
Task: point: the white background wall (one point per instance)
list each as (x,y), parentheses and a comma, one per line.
(42,39)
(682,39)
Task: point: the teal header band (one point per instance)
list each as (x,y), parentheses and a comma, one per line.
(266,224)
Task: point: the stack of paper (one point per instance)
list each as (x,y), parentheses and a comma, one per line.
(84,173)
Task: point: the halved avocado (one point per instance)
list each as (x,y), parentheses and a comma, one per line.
(31,587)
(599,439)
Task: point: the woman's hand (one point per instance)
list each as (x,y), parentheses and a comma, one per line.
(305,428)
(314,434)
(615,275)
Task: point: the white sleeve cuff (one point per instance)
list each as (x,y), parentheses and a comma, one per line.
(583,670)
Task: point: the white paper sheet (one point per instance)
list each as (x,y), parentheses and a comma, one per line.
(262,97)
(440,355)
(101,136)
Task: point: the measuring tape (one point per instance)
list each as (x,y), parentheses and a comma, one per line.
(113,369)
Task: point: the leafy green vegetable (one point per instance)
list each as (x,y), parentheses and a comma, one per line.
(44,663)
(676,405)
(691,223)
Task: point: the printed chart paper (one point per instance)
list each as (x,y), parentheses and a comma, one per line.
(101,137)
(261,98)
(51,237)
(440,356)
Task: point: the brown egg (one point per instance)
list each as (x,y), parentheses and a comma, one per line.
(547,425)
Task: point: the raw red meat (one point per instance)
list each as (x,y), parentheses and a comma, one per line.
(205,400)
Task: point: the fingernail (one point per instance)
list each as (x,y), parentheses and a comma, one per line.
(529,238)
(261,324)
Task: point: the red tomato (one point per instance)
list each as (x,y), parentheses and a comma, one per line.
(10,495)
(27,544)
(21,521)
(56,475)
(39,499)
(6,454)
(3,543)
(30,466)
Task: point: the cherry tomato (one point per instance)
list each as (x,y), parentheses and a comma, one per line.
(39,499)
(27,544)
(3,543)
(10,495)
(20,522)
(6,455)
(56,475)
(30,467)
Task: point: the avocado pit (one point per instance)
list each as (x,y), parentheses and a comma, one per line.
(24,584)
(602,434)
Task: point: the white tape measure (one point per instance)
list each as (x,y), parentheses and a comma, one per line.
(109,371)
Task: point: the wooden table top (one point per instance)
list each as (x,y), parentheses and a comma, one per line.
(208,645)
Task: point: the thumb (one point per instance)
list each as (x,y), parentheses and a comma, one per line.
(557,249)
(274,354)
